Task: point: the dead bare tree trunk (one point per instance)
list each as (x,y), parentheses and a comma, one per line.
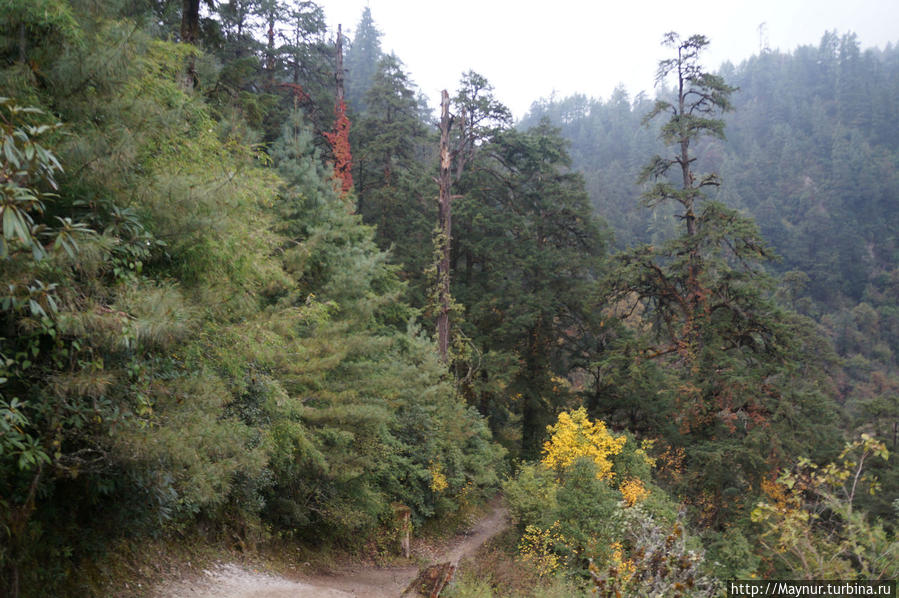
(340,137)
(444,209)
(339,74)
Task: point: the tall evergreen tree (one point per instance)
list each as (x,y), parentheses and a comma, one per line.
(479,116)
(391,149)
(526,248)
(742,380)
(362,60)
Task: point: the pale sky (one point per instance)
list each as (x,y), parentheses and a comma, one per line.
(528,49)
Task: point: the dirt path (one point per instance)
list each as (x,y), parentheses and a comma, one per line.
(234,581)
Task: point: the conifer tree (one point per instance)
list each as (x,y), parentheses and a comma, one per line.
(700,97)
(479,116)
(712,321)
(526,248)
(391,147)
(362,59)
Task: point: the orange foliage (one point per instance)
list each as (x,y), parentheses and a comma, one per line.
(299,94)
(670,463)
(340,145)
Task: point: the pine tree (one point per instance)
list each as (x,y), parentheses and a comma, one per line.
(377,411)
(362,60)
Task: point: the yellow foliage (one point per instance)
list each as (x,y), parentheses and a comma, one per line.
(575,436)
(536,548)
(779,493)
(633,491)
(560,383)
(624,567)
(796,531)
(671,463)
(645,447)
(438,479)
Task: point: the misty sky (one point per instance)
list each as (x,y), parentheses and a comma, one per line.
(528,50)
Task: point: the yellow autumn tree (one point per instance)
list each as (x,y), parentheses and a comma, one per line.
(633,491)
(575,436)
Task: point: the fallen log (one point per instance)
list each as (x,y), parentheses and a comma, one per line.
(431,581)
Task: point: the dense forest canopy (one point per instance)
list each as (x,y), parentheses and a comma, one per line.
(673,322)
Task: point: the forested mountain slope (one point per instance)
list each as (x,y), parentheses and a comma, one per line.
(812,154)
(222,264)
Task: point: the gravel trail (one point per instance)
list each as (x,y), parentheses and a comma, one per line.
(235,581)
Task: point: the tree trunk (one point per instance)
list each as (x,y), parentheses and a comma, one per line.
(190,34)
(339,74)
(190,21)
(444,207)
(694,291)
(534,414)
(689,216)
